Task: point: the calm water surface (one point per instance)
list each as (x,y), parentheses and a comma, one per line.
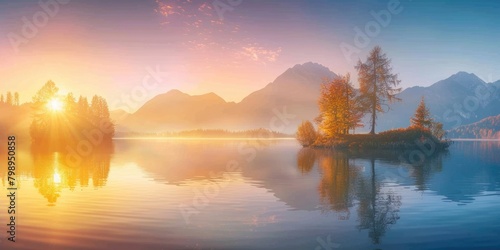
(236,194)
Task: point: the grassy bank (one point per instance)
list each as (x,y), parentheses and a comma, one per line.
(399,139)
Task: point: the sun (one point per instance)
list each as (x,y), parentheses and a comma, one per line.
(57,178)
(55,105)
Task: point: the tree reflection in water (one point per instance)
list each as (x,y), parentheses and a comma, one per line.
(337,186)
(306,158)
(377,210)
(352,179)
(52,173)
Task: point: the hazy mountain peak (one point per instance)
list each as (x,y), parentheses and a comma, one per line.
(212,96)
(118,115)
(310,65)
(311,68)
(119,111)
(301,76)
(465,76)
(314,72)
(461,79)
(463,73)
(175,92)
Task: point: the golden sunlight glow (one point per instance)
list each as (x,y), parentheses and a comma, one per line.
(57,178)
(55,105)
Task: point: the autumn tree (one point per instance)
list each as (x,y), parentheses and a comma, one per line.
(437,130)
(378,86)
(339,110)
(422,117)
(306,134)
(2,99)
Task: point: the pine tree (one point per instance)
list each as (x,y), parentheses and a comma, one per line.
(99,113)
(47,92)
(9,100)
(70,104)
(56,129)
(16,99)
(83,108)
(378,86)
(422,117)
(41,123)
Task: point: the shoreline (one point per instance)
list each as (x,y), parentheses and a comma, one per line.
(202,138)
(467,139)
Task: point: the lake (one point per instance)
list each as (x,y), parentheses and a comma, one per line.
(268,194)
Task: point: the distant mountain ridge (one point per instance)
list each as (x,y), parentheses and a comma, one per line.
(294,92)
(461,99)
(487,128)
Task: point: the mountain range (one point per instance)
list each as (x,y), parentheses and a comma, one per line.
(487,128)
(293,93)
(461,99)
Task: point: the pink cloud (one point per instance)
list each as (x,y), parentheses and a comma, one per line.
(261,54)
(203,31)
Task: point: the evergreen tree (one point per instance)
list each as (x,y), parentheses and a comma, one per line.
(58,128)
(9,100)
(378,86)
(422,117)
(83,108)
(16,99)
(47,92)
(70,104)
(100,113)
(40,125)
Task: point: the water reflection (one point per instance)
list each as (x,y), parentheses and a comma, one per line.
(306,159)
(485,150)
(377,209)
(282,196)
(359,180)
(423,172)
(472,171)
(338,183)
(52,173)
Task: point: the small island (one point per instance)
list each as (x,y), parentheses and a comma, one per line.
(342,107)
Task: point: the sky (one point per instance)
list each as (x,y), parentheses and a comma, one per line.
(129,51)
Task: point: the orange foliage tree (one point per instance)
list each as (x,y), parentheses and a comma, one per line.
(339,109)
